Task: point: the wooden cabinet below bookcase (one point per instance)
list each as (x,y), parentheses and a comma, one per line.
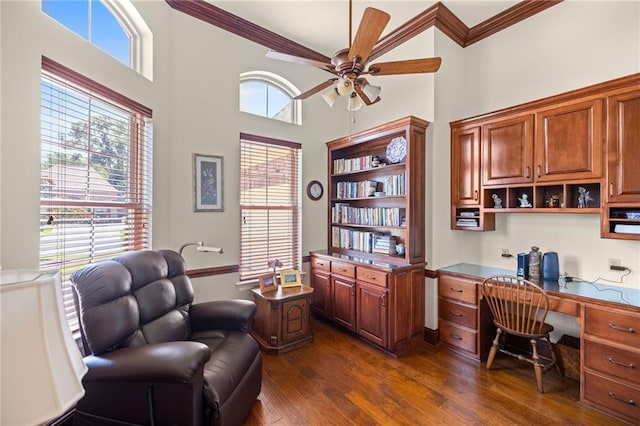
(382,303)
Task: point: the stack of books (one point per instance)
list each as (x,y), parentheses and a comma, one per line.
(385,244)
(467,219)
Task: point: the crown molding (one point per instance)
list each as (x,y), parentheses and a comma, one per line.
(437,15)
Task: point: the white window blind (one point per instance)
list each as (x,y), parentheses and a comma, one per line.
(270,204)
(95,175)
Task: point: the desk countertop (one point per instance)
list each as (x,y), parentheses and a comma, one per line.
(584,289)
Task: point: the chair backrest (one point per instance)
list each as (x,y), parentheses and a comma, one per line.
(516,304)
(138,298)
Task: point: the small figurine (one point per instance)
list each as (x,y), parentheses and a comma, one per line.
(583,197)
(497,201)
(524,201)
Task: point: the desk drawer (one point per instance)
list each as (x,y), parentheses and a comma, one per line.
(458,336)
(371,276)
(613,395)
(457,313)
(344,269)
(457,289)
(616,326)
(613,361)
(323,264)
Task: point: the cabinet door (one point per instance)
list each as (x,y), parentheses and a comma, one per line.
(321,284)
(569,142)
(372,312)
(507,151)
(465,166)
(623,174)
(295,323)
(344,302)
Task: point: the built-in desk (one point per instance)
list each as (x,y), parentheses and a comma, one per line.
(609,318)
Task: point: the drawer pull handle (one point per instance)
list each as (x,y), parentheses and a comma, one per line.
(456,314)
(455,336)
(626,401)
(617,327)
(612,360)
(371,277)
(456,290)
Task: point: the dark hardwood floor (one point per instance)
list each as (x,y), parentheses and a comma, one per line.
(341,380)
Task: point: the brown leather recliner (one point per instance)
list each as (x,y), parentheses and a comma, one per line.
(156,358)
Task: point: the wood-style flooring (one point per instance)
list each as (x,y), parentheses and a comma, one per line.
(341,380)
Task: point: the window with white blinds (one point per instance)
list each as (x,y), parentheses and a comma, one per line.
(270,204)
(95,174)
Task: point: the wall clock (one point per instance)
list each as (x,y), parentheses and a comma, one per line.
(315,190)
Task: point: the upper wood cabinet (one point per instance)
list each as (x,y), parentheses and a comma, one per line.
(465,166)
(623,175)
(569,142)
(507,151)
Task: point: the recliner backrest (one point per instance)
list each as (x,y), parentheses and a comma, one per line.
(138,298)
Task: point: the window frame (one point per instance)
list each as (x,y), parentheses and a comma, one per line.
(138,202)
(245,269)
(280,83)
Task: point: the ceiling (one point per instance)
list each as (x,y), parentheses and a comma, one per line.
(323,25)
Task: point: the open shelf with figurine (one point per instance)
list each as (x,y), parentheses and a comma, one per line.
(578,197)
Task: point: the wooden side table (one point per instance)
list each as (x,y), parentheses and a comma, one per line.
(282,321)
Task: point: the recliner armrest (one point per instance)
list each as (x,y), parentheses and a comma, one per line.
(234,314)
(166,362)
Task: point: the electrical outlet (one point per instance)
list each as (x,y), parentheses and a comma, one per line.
(614,262)
(505,253)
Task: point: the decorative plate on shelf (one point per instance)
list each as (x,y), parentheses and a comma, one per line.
(396,150)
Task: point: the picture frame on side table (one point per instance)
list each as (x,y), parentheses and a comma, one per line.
(207,183)
(290,278)
(268,283)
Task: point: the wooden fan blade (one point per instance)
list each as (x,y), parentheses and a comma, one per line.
(412,66)
(299,60)
(371,26)
(316,89)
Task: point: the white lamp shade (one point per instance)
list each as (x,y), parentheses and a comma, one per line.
(371,91)
(330,96)
(355,103)
(40,362)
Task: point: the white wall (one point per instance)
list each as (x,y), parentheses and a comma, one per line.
(194,101)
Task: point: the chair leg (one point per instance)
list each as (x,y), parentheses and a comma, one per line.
(537,367)
(495,346)
(554,357)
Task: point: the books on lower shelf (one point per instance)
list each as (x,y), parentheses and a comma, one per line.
(365,241)
(467,222)
(385,244)
(368,216)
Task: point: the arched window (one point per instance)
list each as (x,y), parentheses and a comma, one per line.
(269,95)
(114,26)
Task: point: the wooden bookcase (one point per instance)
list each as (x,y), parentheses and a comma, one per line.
(377,296)
(357,218)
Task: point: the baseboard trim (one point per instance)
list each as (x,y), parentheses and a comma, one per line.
(431,336)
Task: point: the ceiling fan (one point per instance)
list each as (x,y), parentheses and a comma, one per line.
(350,64)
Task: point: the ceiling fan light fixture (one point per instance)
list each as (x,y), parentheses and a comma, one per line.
(344,86)
(355,103)
(330,96)
(372,92)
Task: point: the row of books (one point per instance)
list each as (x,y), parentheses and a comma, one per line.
(467,222)
(345,165)
(355,240)
(391,185)
(372,216)
(385,244)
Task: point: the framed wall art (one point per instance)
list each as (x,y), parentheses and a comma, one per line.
(207,183)
(290,278)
